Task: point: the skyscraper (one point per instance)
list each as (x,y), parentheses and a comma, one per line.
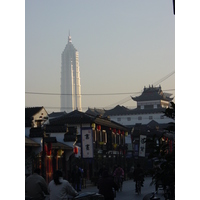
(70,79)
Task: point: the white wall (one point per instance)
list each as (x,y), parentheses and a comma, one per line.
(158,117)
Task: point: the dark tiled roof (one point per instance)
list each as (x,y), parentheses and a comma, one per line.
(77,117)
(152,93)
(118,110)
(73,117)
(56,114)
(31,143)
(95,111)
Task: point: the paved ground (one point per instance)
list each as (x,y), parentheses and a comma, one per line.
(128,192)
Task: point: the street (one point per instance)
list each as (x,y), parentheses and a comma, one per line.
(128,191)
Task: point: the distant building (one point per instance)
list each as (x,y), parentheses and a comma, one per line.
(70,79)
(150,107)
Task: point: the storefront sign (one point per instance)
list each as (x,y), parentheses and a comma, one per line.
(87,144)
(142,148)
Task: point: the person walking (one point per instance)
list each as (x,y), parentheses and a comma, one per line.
(119,176)
(106,185)
(76,177)
(59,189)
(36,186)
(81,178)
(138,175)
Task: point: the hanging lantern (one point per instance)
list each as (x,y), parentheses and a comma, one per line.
(126,133)
(93,125)
(114,130)
(122,132)
(48,149)
(119,131)
(59,152)
(98,127)
(49,146)
(75,150)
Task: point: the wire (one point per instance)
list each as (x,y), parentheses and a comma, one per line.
(164,78)
(89,94)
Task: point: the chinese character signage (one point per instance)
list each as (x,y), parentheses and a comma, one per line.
(142,147)
(87,144)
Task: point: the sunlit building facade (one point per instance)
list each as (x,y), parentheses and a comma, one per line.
(70,79)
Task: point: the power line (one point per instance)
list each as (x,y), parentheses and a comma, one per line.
(89,94)
(164,78)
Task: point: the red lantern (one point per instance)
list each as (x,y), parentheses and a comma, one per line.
(119,131)
(122,132)
(114,130)
(48,148)
(49,145)
(75,150)
(98,127)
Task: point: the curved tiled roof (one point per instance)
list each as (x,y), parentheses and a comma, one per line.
(77,117)
(152,93)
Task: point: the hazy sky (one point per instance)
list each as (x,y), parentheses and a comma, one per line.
(123,46)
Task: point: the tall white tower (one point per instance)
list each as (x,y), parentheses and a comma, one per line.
(70,79)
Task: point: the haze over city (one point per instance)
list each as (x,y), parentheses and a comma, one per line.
(123,47)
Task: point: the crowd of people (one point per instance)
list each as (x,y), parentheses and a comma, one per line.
(59,189)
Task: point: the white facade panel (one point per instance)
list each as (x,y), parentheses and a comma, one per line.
(141,118)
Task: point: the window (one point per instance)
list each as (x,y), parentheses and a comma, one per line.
(128,119)
(150,117)
(119,119)
(140,118)
(162,117)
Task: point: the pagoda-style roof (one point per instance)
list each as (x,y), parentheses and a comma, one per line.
(153,93)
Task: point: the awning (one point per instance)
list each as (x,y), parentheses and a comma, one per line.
(59,145)
(31,143)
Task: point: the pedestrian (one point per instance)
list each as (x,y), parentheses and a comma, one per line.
(106,185)
(76,177)
(138,175)
(36,186)
(119,176)
(80,183)
(59,189)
